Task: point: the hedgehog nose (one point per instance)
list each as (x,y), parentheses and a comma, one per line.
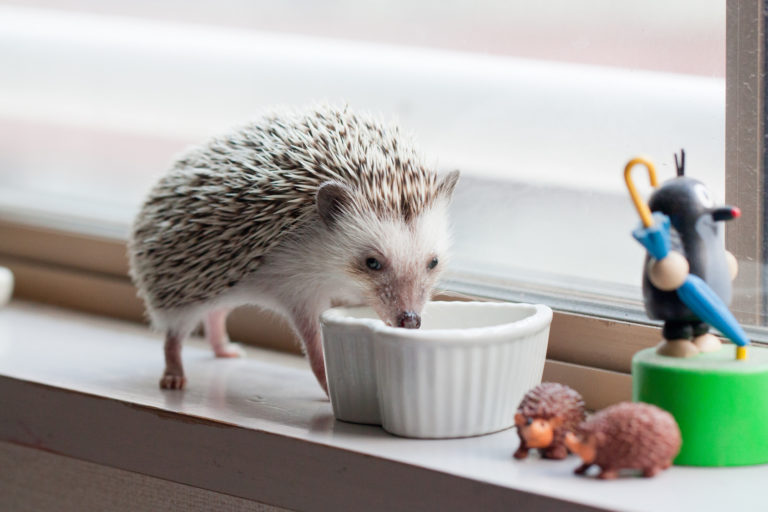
(409,320)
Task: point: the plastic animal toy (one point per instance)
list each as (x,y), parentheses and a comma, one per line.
(626,436)
(546,413)
(687,274)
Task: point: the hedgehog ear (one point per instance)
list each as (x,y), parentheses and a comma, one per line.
(333,198)
(447,184)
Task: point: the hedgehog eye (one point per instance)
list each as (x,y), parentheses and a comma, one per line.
(373,264)
(432,264)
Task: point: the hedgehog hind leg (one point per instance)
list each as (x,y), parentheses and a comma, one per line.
(215,326)
(173,376)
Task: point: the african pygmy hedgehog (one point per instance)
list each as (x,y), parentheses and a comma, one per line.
(294,212)
(544,416)
(626,436)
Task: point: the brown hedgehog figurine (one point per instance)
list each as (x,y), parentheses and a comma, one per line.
(626,436)
(544,416)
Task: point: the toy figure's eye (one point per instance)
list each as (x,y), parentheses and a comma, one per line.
(702,194)
(432,264)
(373,264)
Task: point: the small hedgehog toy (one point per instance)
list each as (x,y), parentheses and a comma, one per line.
(544,416)
(294,212)
(626,436)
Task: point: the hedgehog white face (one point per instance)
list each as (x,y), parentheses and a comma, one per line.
(395,263)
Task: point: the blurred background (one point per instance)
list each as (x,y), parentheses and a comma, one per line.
(539,104)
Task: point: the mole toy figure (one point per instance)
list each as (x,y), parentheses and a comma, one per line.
(715,393)
(687,272)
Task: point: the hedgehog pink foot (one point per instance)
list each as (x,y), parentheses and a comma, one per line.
(171,381)
(173,376)
(215,324)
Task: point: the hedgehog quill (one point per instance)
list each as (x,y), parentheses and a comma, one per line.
(295,212)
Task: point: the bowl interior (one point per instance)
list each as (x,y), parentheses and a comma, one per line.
(473,315)
(446,315)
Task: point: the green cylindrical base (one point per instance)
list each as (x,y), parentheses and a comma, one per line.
(721,404)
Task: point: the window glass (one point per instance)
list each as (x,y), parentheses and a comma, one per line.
(539,104)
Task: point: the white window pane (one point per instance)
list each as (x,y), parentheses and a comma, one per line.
(539,104)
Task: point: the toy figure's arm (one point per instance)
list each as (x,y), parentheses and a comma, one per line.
(667,269)
(669,273)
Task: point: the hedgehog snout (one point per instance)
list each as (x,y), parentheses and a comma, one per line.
(409,320)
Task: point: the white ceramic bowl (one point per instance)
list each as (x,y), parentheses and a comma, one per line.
(462,374)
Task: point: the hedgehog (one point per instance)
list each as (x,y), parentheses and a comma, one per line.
(626,436)
(294,212)
(544,416)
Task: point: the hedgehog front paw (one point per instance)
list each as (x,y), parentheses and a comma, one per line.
(229,350)
(171,380)
(521,453)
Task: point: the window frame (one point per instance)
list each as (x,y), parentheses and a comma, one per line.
(746,149)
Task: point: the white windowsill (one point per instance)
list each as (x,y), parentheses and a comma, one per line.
(261,429)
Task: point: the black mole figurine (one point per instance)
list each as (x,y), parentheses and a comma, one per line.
(696,234)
